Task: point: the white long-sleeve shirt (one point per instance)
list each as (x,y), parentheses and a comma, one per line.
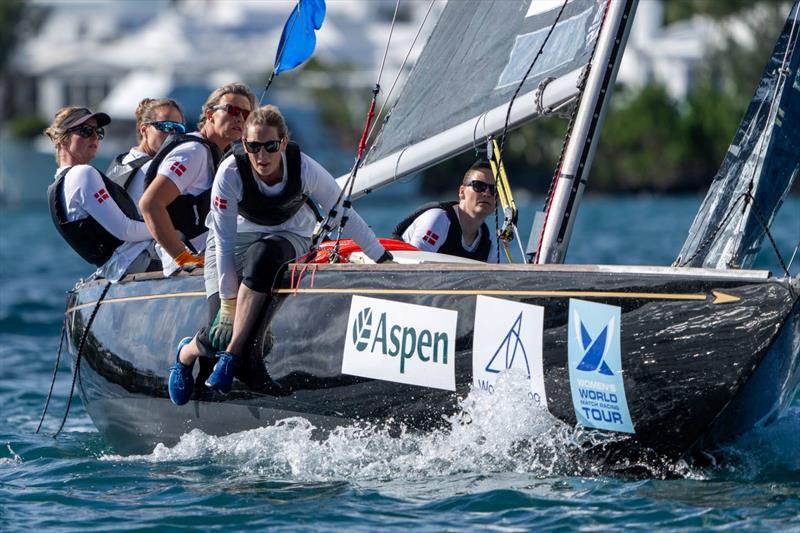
(224,219)
(85,195)
(188,167)
(429,231)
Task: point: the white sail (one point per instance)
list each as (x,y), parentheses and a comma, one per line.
(475,58)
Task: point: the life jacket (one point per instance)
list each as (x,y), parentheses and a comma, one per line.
(122,173)
(187,212)
(452,243)
(265,210)
(87,236)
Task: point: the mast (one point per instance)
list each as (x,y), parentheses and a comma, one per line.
(581,146)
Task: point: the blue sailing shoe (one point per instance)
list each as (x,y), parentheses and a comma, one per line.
(181,381)
(221,378)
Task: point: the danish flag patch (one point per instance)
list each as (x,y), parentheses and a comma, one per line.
(430,238)
(220,203)
(178,168)
(101,196)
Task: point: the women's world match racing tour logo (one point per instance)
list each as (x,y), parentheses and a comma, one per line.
(595,367)
(404,343)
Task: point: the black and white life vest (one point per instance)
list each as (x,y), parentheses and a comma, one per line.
(122,173)
(265,210)
(452,243)
(187,212)
(87,236)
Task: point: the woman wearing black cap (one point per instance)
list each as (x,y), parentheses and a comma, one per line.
(95,216)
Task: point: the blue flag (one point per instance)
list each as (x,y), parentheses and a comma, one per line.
(298,38)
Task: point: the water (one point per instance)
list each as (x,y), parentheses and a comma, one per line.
(511,468)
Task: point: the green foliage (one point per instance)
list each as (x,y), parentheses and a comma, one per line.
(26,126)
(11,13)
(675,10)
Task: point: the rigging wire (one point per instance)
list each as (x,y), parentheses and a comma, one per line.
(325,226)
(402,66)
(511,104)
(527,73)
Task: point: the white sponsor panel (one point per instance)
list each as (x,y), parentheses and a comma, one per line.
(508,335)
(404,343)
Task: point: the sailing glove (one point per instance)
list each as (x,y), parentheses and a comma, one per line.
(222,328)
(189,261)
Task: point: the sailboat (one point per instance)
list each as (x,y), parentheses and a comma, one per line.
(666,360)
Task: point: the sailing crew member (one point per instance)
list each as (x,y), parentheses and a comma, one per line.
(156,119)
(262,218)
(456,228)
(96,217)
(177,185)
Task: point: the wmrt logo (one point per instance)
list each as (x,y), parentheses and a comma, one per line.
(594,348)
(362,329)
(510,347)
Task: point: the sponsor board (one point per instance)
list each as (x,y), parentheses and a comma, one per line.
(508,335)
(595,367)
(404,343)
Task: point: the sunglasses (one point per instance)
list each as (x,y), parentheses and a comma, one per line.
(253,147)
(481,186)
(233,110)
(86,131)
(167,126)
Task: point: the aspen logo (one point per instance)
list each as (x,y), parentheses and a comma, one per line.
(508,337)
(404,343)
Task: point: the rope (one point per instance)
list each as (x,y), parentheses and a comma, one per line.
(55,371)
(77,367)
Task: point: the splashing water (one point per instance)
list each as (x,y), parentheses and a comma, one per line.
(495,432)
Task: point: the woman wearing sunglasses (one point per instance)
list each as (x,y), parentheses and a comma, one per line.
(261,219)
(95,216)
(456,228)
(177,184)
(156,119)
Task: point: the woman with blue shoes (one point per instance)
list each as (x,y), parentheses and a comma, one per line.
(262,218)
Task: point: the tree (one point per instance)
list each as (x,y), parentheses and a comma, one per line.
(11,14)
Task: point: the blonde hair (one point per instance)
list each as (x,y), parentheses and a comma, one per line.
(268,115)
(146,111)
(216,96)
(55,132)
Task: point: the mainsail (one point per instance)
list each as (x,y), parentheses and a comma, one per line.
(459,90)
(758,169)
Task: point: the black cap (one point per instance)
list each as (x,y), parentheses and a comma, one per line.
(81,115)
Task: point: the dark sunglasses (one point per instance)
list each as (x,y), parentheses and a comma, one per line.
(86,131)
(233,110)
(481,186)
(168,126)
(253,147)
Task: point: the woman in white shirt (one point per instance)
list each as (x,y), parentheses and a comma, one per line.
(156,119)
(261,219)
(95,216)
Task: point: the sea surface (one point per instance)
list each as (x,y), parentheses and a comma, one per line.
(477,475)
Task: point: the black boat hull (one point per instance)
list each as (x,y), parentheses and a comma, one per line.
(695,344)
